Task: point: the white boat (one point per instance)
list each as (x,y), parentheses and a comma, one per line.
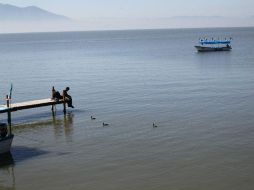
(207,49)
(5,139)
(206,45)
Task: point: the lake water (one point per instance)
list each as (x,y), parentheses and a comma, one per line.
(203,104)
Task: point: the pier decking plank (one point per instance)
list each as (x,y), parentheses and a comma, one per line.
(30,104)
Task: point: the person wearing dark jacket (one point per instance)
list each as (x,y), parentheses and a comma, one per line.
(68,97)
(56,94)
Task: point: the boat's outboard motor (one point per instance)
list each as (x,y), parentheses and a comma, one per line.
(3,130)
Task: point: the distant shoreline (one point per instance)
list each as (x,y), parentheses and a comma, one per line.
(119,30)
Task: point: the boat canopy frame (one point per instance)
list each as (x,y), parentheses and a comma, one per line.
(212,41)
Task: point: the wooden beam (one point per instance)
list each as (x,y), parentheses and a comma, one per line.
(29,104)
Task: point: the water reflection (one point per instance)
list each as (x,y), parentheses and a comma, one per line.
(7,176)
(63,126)
(68,126)
(8,161)
(22,153)
(19,154)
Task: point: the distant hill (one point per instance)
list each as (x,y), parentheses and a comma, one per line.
(31,13)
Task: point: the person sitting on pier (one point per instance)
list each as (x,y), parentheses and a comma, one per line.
(68,97)
(56,95)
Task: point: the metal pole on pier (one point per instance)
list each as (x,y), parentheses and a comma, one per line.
(9,112)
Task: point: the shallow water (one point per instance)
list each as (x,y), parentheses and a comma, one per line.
(202,103)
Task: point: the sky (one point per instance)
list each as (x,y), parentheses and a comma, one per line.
(81,9)
(135,14)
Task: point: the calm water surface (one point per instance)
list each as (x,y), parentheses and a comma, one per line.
(203,104)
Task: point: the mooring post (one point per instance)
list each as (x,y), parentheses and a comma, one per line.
(64,102)
(9,112)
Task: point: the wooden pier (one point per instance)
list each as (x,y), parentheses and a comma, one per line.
(29,105)
(9,107)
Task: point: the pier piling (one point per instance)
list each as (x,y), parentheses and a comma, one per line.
(64,102)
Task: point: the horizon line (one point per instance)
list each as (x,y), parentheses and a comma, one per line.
(137,29)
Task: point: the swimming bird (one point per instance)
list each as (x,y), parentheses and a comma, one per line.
(154,126)
(93,118)
(105,124)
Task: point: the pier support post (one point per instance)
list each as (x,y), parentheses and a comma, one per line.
(64,103)
(9,112)
(53,108)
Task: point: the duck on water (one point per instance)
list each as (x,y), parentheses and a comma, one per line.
(6,138)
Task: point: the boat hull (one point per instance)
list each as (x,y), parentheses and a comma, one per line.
(209,49)
(5,144)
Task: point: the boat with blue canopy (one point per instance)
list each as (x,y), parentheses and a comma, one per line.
(206,45)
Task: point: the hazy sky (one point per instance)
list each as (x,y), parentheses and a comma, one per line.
(79,9)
